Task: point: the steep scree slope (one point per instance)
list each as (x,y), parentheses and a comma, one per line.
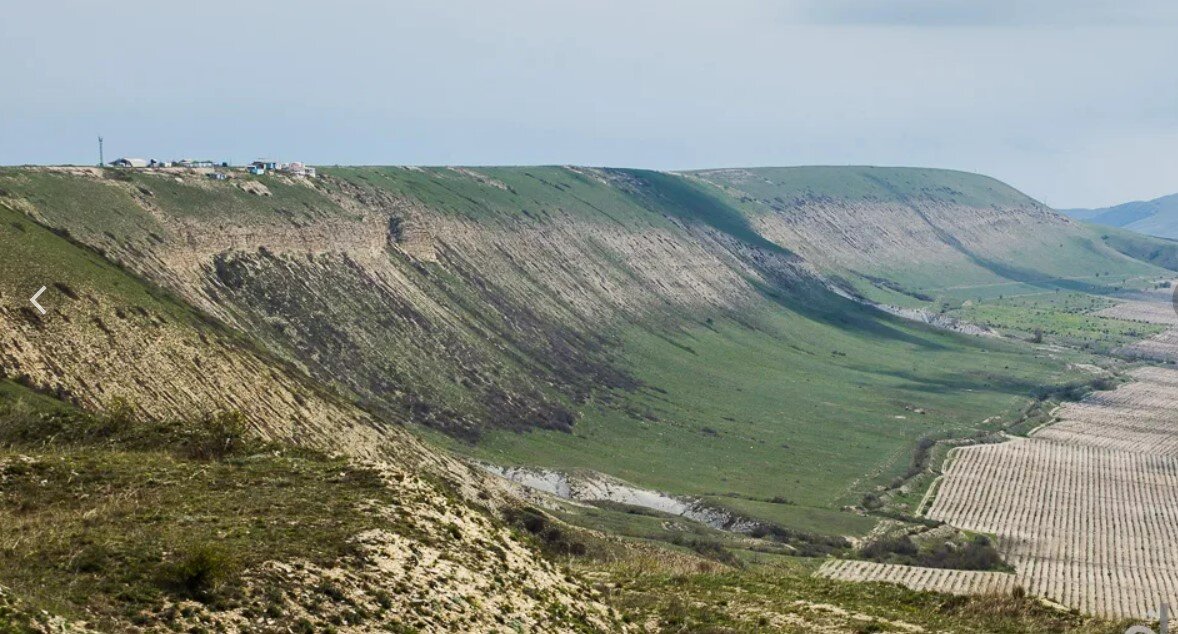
(461,302)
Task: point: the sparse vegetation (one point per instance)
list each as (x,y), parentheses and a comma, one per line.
(555,540)
(128,514)
(200,571)
(781,594)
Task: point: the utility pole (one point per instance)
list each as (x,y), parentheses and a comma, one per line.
(101,161)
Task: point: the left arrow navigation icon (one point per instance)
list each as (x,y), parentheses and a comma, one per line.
(33,300)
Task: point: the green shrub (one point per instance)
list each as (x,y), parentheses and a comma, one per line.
(891,548)
(976,554)
(709,548)
(200,572)
(871,501)
(553,539)
(216,437)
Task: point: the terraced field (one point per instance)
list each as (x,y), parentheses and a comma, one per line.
(1086,509)
(1138,417)
(1154,307)
(1159,311)
(964,582)
(1160,347)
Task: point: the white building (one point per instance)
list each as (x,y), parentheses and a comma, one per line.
(299,169)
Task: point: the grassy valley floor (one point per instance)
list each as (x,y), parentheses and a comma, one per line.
(787,418)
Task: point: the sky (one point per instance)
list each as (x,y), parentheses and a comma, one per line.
(1073,101)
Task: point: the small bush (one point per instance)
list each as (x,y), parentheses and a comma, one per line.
(93,558)
(889,549)
(117,174)
(217,436)
(709,548)
(200,572)
(553,540)
(871,502)
(804,544)
(976,554)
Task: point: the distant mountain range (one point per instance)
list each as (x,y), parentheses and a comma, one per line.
(1158,217)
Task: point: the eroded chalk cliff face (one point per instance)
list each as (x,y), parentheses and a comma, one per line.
(865,236)
(925,227)
(472,298)
(461,313)
(107,337)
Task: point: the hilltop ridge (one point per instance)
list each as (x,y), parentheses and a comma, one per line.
(1156,217)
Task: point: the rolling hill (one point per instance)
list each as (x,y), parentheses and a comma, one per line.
(1157,217)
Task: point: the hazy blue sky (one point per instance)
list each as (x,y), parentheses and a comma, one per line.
(1073,101)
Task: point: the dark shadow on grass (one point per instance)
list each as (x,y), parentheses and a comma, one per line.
(680,198)
(960,381)
(1013,273)
(816,303)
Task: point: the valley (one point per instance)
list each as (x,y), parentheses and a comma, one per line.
(724,353)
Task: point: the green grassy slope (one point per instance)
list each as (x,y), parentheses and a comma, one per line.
(127,516)
(943,234)
(127,524)
(785,405)
(657,327)
(867,184)
(1157,251)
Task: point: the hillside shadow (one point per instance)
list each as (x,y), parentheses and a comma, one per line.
(691,203)
(818,304)
(959,381)
(1001,269)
